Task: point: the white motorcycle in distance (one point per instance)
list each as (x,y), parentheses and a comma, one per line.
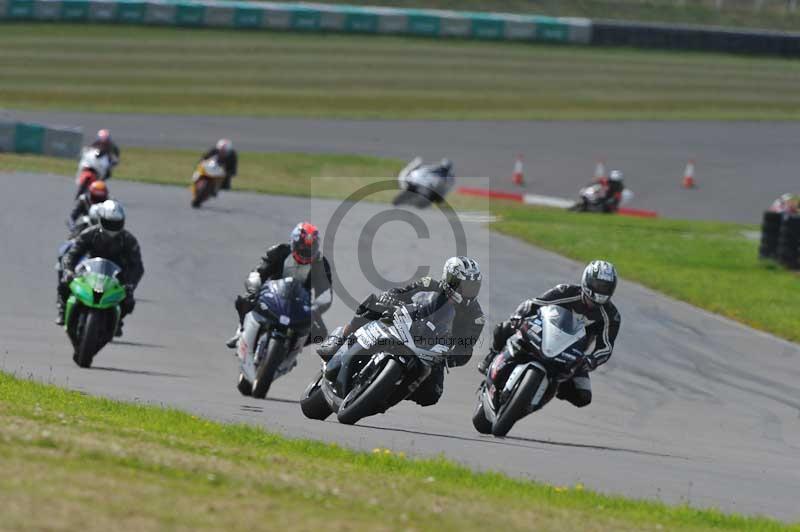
(420,186)
(93,166)
(592,198)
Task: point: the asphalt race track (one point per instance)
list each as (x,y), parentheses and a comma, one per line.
(691,408)
(741,166)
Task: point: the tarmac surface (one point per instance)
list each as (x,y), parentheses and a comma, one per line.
(691,408)
(741,167)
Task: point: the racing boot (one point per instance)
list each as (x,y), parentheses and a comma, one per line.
(60,309)
(331,345)
(484,364)
(233,340)
(118,332)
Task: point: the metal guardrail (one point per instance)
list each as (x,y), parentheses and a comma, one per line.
(303,17)
(21,137)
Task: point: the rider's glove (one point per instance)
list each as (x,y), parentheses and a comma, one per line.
(388,299)
(388,315)
(129,288)
(69,276)
(590,363)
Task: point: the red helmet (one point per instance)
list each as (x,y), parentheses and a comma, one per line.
(98,192)
(104,135)
(305,243)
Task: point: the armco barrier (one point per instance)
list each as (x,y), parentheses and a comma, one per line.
(303,17)
(20,137)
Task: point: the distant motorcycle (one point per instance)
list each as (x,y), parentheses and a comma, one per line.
(384,366)
(420,186)
(547,350)
(93,312)
(273,335)
(592,198)
(207,179)
(93,166)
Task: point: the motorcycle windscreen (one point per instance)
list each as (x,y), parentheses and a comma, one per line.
(286,300)
(560,329)
(99,266)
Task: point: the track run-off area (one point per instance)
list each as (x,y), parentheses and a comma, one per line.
(691,408)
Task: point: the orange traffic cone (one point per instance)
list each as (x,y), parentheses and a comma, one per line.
(518,177)
(688,175)
(600,171)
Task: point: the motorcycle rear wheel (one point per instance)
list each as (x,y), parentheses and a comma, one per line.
(313,403)
(518,406)
(479,421)
(372,398)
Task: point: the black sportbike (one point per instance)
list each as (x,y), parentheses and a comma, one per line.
(547,349)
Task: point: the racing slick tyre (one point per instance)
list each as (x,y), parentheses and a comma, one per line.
(276,353)
(789,242)
(770,231)
(370,400)
(518,406)
(313,403)
(479,421)
(244,386)
(90,334)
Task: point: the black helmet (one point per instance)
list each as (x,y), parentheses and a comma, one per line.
(461,279)
(599,281)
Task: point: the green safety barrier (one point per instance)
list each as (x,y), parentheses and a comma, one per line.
(303,17)
(21,137)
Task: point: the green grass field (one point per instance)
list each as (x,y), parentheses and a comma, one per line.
(709,264)
(72,462)
(162,70)
(774,14)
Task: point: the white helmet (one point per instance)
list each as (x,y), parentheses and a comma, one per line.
(111,216)
(461,279)
(224,145)
(615,175)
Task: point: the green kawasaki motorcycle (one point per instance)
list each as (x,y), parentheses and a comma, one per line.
(92,314)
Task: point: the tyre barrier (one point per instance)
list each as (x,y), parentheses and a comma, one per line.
(770,231)
(789,242)
(21,137)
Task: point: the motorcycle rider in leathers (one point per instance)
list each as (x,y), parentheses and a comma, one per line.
(226,158)
(302,260)
(459,287)
(109,240)
(108,148)
(591,299)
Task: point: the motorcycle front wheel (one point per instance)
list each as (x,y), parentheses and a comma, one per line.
(371,399)
(89,338)
(276,353)
(518,406)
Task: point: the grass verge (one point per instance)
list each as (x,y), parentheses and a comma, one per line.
(173,70)
(97,464)
(712,265)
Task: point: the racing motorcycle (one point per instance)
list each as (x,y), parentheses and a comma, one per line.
(93,166)
(547,349)
(419,186)
(592,198)
(207,178)
(273,334)
(92,311)
(385,365)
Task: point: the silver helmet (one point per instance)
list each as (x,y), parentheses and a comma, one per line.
(461,279)
(599,281)
(111,216)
